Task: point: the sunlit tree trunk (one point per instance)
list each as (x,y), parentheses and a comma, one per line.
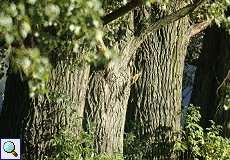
(107,99)
(155,101)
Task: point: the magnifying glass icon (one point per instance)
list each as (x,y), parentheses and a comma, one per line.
(9,147)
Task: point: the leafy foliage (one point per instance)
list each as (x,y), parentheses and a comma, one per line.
(68,146)
(205,144)
(35,67)
(159,144)
(3,63)
(32,30)
(214,11)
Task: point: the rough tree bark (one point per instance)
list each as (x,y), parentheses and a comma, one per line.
(109,89)
(107,99)
(213,78)
(37,120)
(155,101)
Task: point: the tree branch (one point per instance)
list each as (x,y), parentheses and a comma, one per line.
(133,44)
(199,27)
(170,18)
(121,11)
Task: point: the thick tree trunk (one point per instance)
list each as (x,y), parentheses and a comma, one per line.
(109,90)
(108,94)
(212,80)
(155,101)
(108,99)
(37,120)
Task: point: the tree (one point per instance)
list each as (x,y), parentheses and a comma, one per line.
(36,119)
(155,101)
(211,88)
(109,87)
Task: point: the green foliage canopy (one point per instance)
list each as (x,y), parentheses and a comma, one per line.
(32,29)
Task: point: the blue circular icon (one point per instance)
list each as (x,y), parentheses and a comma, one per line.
(9,147)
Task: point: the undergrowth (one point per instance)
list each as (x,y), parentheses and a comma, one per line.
(71,146)
(194,143)
(199,143)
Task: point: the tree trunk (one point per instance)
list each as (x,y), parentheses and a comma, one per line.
(212,81)
(36,121)
(108,99)
(155,101)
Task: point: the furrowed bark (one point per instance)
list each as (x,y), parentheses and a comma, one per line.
(52,115)
(36,121)
(155,101)
(157,25)
(109,89)
(107,101)
(42,117)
